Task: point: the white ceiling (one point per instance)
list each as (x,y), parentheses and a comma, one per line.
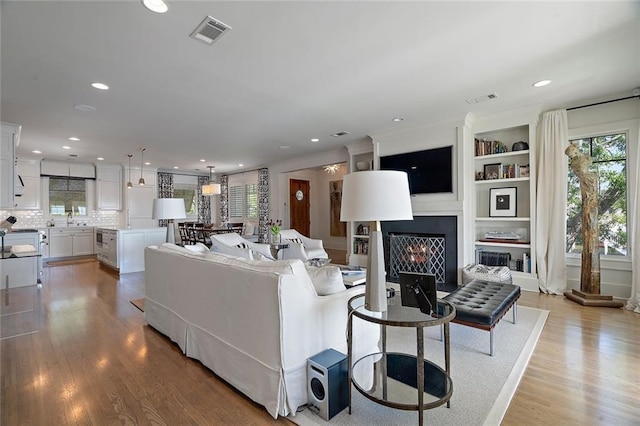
(291,71)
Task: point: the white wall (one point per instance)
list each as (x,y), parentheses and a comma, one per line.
(301,168)
(614,117)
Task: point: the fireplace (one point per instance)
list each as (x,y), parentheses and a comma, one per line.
(426,244)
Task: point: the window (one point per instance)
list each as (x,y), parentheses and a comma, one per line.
(67,195)
(188,194)
(609,156)
(243,201)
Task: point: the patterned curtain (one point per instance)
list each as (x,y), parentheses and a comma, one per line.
(204,201)
(165,190)
(263,203)
(224,198)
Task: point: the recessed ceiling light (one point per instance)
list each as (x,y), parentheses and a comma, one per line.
(398,119)
(73,138)
(84,108)
(315,140)
(541,83)
(146,163)
(99,86)
(240,165)
(66,147)
(202,160)
(35,151)
(100,158)
(157,6)
(284,147)
(176,167)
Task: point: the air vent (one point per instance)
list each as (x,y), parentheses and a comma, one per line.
(482,98)
(210,30)
(338,134)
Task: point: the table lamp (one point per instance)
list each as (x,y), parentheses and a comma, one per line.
(373,196)
(169,209)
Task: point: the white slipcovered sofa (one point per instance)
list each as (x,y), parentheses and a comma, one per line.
(301,247)
(254,323)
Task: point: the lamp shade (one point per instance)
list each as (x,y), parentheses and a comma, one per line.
(376,195)
(169,208)
(211,189)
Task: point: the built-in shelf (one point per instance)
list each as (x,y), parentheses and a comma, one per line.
(495,181)
(488,244)
(502,154)
(503,219)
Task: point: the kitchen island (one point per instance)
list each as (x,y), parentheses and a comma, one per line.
(122,249)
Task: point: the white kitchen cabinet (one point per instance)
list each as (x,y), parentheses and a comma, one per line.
(10,137)
(29,172)
(66,242)
(68,169)
(109,187)
(131,244)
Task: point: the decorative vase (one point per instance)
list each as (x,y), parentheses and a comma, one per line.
(274,238)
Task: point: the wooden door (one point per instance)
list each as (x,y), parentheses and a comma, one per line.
(299,206)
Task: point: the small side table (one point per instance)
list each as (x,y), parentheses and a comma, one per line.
(388,378)
(276,247)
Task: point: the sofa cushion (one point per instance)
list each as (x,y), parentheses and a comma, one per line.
(326,279)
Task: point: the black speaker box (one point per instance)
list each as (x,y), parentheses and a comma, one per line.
(327,383)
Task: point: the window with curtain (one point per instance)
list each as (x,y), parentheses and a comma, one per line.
(67,195)
(609,157)
(188,193)
(243,201)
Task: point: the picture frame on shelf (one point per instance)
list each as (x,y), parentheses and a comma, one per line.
(492,171)
(503,202)
(524,171)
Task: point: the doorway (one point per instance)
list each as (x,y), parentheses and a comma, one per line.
(299,206)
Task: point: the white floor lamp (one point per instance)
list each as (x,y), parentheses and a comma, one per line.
(373,196)
(169,208)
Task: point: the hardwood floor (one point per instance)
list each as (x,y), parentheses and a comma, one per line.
(85,356)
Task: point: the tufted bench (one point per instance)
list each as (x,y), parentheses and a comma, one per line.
(481,304)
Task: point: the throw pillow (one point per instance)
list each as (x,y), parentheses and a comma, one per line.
(248,228)
(326,280)
(259,256)
(295,240)
(242,245)
(197,248)
(244,253)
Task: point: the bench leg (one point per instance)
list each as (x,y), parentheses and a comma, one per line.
(491,344)
(515,312)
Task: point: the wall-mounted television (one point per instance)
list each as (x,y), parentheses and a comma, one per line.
(430,171)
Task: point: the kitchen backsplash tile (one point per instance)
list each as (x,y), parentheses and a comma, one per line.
(37,219)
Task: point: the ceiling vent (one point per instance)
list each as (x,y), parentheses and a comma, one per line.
(210,30)
(482,98)
(338,134)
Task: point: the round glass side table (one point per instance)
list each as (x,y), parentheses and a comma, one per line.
(398,380)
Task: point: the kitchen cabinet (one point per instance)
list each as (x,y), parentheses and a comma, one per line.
(10,138)
(67,169)
(66,242)
(29,172)
(123,249)
(109,187)
(22,271)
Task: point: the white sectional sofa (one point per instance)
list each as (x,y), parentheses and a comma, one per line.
(254,323)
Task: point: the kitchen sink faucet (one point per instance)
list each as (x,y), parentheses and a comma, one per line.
(69,218)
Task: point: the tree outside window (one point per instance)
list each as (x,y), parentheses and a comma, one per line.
(188,194)
(609,156)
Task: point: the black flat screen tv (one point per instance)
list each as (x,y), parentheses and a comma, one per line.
(430,171)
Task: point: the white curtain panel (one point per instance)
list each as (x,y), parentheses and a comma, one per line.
(634,221)
(551,201)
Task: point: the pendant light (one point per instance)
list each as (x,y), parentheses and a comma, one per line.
(211,188)
(129,184)
(141,180)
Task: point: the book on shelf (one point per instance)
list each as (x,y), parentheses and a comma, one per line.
(492,258)
(361,247)
(485,147)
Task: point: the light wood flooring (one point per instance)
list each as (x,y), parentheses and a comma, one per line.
(83,355)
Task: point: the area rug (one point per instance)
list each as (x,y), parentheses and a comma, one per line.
(482,385)
(138,303)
